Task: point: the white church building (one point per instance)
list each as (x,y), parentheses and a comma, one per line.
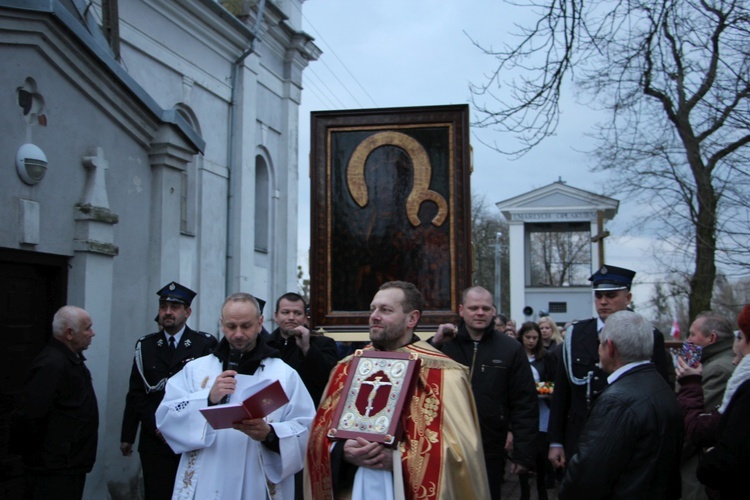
(556,241)
(143,141)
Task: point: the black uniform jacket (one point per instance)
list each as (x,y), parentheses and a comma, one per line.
(314,368)
(59,420)
(504,391)
(569,401)
(631,444)
(159,362)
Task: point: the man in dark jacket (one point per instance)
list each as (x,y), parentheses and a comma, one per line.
(631,442)
(713,333)
(502,383)
(579,379)
(59,420)
(312,355)
(158,356)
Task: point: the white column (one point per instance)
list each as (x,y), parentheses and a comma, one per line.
(241,241)
(517,272)
(90,286)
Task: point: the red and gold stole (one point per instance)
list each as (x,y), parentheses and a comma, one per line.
(421,449)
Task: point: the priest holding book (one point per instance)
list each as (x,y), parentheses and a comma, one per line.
(438,454)
(255,457)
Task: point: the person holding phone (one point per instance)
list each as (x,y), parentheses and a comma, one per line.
(722,467)
(713,334)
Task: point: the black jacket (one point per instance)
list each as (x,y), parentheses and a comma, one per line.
(504,391)
(158,363)
(59,420)
(314,368)
(631,443)
(546,366)
(569,401)
(724,466)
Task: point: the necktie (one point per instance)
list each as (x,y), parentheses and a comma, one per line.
(171,342)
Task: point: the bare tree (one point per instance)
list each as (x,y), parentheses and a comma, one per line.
(663,306)
(303,284)
(560,258)
(485,227)
(675,77)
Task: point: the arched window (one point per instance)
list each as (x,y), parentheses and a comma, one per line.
(189,188)
(262,205)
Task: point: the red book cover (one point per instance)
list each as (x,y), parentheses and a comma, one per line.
(254,401)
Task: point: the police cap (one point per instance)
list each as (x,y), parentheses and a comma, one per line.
(174,292)
(612,278)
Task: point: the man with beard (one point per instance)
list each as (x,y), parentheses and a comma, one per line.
(255,458)
(502,383)
(312,355)
(158,356)
(439,454)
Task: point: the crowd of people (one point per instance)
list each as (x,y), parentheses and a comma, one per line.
(592,410)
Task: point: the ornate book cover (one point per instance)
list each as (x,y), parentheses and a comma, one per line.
(377,388)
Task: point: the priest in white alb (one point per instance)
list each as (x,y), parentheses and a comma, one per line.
(256,458)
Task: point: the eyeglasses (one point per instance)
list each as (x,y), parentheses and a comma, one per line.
(738,335)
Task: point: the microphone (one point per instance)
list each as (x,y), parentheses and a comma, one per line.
(232,363)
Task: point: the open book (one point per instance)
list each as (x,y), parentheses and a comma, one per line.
(248,401)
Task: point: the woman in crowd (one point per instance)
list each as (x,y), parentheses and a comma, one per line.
(550,332)
(723,432)
(543,368)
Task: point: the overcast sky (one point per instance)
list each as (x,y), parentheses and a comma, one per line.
(393,53)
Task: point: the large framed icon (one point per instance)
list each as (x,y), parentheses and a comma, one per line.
(377,388)
(390,201)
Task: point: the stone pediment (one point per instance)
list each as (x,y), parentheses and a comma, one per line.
(557,202)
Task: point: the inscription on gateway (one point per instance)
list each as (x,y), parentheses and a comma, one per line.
(553,216)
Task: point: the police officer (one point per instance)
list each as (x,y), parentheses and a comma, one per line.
(579,378)
(158,356)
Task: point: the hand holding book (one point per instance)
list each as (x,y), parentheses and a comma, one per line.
(248,402)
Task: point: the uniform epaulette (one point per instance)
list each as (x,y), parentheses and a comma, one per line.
(577,321)
(146,337)
(205,334)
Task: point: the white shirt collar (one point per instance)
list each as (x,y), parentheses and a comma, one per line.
(625,368)
(177,336)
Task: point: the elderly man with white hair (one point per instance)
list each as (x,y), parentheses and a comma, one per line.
(631,443)
(56,427)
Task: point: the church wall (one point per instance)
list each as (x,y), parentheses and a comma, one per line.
(183,58)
